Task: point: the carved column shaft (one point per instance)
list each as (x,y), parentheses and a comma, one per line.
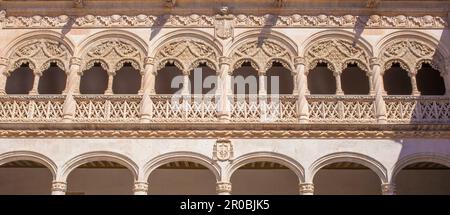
(186,89)
(415,90)
(149,77)
(223,188)
(306,189)
(74,76)
(302,87)
(3,75)
(109,90)
(380,105)
(59,188)
(140,188)
(339,91)
(388,189)
(34,90)
(262,84)
(225,85)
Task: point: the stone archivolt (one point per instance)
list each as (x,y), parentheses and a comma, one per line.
(337,53)
(241,20)
(261,55)
(187,54)
(39,53)
(112,53)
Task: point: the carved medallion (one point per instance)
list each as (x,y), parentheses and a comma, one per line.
(223,150)
(223,26)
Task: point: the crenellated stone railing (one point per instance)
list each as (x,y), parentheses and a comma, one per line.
(322,109)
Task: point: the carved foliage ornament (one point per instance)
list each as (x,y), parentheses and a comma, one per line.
(223,150)
(241,20)
(408,53)
(187,54)
(337,53)
(39,53)
(263,53)
(112,54)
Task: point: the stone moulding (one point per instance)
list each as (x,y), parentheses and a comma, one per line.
(240,20)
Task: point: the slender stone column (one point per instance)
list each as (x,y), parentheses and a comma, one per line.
(140,188)
(302,87)
(371,85)
(109,90)
(34,90)
(59,188)
(337,75)
(224,104)
(4,62)
(415,91)
(306,189)
(148,77)
(73,76)
(380,105)
(262,84)
(388,189)
(186,88)
(446,75)
(223,188)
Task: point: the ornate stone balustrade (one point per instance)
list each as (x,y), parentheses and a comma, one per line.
(418,109)
(341,109)
(323,109)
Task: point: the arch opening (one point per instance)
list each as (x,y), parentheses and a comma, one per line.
(25,177)
(20,80)
(430,81)
(166,76)
(127,80)
(52,81)
(397,81)
(245,80)
(94,80)
(203,80)
(321,80)
(279,80)
(354,80)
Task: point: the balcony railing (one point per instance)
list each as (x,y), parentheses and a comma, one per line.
(322,109)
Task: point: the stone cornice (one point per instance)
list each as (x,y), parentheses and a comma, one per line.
(211,130)
(207,21)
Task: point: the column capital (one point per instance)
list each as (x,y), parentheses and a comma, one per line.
(388,189)
(306,188)
(59,186)
(223,187)
(299,61)
(75,61)
(375,61)
(224,60)
(149,61)
(140,187)
(4,61)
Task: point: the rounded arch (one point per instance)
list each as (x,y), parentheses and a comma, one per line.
(412,47)
(338,47)
(353,157)
(267,45)
(418,157)
(284,160)
(31,156)
(41,34)
(78,160)
(160,160)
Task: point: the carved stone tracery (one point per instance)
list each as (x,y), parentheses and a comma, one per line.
(261,54)
(337,53)
(39,53)
(112,53)
(187,54)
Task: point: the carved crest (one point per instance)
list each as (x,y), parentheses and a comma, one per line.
(224,27)
(223,150)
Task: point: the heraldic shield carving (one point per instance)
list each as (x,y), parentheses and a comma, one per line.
(223,150)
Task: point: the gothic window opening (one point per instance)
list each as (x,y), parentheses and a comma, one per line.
(52,81)
(203,80)
(279,80)
(20,80)
(94,80)
(430,81)
(245,80)
(397,81)
(321,80)
(167,77)
(127,80)
(355,81)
